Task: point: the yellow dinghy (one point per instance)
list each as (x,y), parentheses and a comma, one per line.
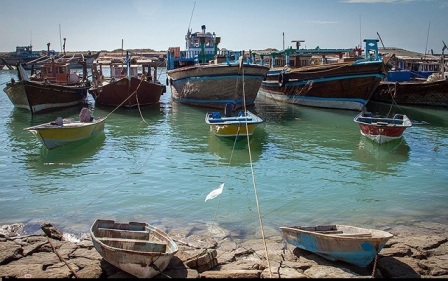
(233,126)
(63,131)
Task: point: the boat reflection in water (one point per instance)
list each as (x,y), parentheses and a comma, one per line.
(68,155)
(385,157)
(236,153)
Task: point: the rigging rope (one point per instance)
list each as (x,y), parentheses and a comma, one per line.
(252,169)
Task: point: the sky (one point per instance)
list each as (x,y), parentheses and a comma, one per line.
(94,25)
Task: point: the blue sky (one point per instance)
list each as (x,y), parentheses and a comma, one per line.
(242,24)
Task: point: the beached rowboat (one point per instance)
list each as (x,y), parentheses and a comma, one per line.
(350,244)
(137,248)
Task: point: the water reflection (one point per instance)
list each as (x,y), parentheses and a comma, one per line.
(237,153)
(385,157)
(66,156)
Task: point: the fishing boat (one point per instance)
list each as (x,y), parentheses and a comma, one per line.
(382,129)
(415,81)
(54,86)
(202,76)
(64,131)
(129,84)
(344,84)
(354,245)
(137,248)
(228,126)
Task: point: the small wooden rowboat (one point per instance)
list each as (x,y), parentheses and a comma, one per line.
(355,245)
(233,126)
(137,248)
(63,131)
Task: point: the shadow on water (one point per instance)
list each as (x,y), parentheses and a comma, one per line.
(419,115)
(383,158)
(67,155)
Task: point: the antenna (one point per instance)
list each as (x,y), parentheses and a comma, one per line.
(427,36)
(379,37)
(189,24)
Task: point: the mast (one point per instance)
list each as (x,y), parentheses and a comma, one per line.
(60,37)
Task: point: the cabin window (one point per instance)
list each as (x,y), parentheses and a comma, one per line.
(208,43)
(196,43)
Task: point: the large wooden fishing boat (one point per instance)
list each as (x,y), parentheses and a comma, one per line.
(125,82)
(340,85)
(203,77)
(419,82)
(55,85)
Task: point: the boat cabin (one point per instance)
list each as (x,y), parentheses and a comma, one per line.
(200,47)
(56,72)
(117,68)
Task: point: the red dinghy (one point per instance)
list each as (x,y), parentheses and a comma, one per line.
(382,129)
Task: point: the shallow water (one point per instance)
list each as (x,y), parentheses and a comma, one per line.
(306,165)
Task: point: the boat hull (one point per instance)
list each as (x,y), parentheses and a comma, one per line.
(127,92)
(216,85)
(340,86)
(413,93)
(17,95)
(43,97)
(353,245)
(136,248)
(51,135)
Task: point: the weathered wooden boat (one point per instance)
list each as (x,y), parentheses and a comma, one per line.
(425,84)
(228,126)
(354,245)
(54,86)
(201,76)
(137,248)
(64,131)
(340,85)
(382,129)
(129,83)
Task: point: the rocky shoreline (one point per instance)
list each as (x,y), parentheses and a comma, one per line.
(414,252)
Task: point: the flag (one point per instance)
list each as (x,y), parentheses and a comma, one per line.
(215,193)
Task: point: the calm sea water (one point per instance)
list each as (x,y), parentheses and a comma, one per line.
(307,166)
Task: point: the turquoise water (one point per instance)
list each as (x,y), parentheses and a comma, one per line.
(307,166)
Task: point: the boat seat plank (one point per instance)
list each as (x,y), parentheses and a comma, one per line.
(355,234)
(135,244)
(318,228)
(118,233)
